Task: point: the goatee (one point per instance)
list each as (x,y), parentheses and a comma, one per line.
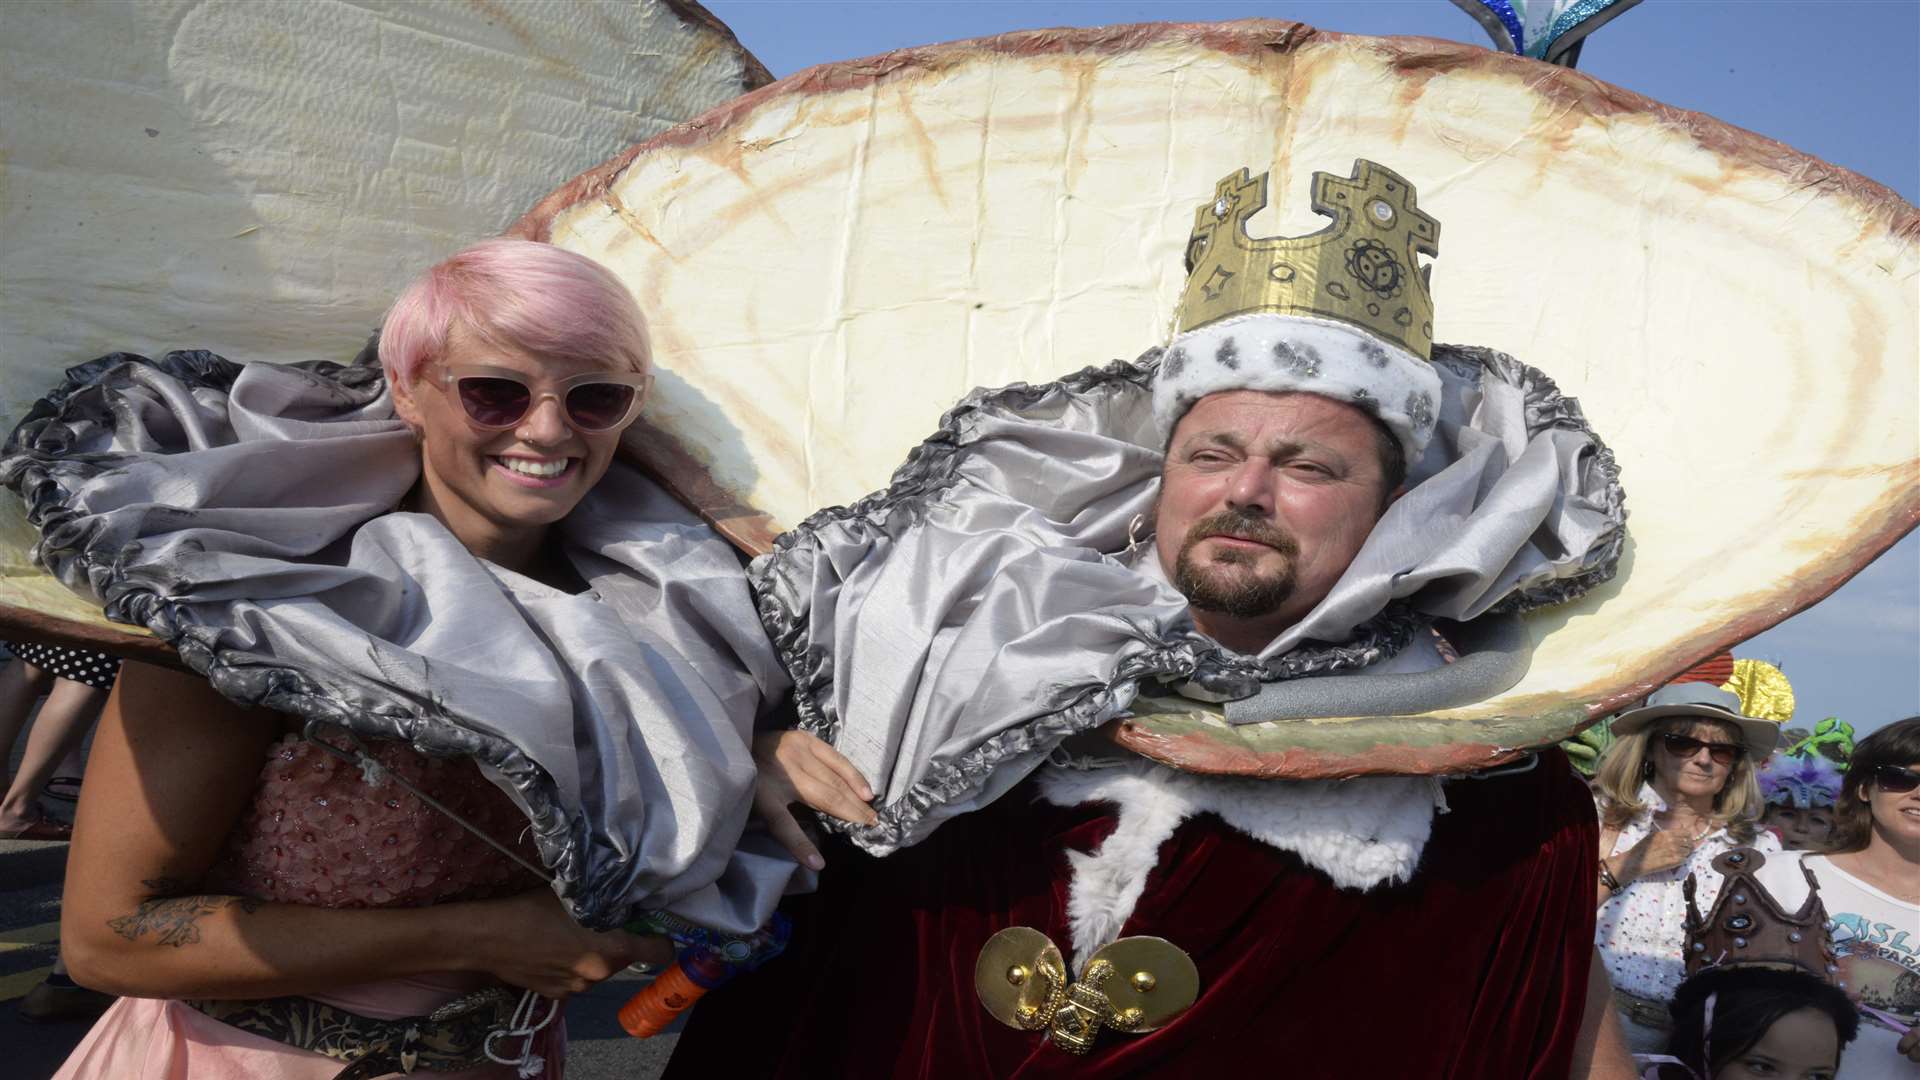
(1217,586)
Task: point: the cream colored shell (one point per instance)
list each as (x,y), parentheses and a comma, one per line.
(830,264)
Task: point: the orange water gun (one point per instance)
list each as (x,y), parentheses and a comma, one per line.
(707,960)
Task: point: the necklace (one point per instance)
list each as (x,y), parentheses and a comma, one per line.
(1705,828)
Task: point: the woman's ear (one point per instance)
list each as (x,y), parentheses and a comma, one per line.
(405,405)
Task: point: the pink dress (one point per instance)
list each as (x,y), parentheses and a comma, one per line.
(318,833)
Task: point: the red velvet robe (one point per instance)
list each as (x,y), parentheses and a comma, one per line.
(1476,968)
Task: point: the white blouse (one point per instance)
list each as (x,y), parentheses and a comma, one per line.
(1642,931)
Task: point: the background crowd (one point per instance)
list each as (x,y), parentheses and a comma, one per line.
(1707,767)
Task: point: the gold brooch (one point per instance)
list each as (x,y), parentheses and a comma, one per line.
(1135,985)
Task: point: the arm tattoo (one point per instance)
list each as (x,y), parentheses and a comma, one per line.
(171,919)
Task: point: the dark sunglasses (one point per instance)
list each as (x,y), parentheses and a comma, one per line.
(1895,780)
(496,399)
(1685,746)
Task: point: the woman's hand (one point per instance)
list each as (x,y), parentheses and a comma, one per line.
(1910,1045)
(1662,850)
(530,941)
(796,767)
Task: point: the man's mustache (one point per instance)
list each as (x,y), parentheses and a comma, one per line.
(1240,526)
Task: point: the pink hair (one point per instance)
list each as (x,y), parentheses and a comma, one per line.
(535,297)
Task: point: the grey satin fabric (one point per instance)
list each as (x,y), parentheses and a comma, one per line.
(947,633)
(252,529)
(1494,652)
(1515,505)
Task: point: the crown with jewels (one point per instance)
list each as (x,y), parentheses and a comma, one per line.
(1363,269)
(1748,925)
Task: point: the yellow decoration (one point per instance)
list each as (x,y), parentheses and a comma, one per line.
(1363,270)
(1765,693)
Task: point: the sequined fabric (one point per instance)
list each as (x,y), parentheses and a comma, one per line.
(318,833)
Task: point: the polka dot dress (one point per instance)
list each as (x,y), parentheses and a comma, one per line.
(78,665)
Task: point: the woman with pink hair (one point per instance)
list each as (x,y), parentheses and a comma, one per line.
(464,692)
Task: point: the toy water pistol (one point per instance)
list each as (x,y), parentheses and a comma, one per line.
(707,959)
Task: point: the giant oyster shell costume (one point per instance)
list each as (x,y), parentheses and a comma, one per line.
(830,262)
(240,513)
(1006,211)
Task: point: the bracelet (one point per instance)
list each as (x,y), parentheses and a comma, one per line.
(1606,878)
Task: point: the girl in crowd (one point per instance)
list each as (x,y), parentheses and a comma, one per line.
(1800,791)
(1674,790)
(270,905)
(1870,879)
(1754,1023)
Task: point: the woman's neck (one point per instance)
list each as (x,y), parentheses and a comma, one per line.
(517,549)
(1893,865)
(1683,808)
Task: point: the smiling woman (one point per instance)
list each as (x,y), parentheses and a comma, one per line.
(538,360)
(395,581)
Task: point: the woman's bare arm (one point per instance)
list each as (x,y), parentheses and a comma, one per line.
(1608,837)
(173,765)
(1600,1050)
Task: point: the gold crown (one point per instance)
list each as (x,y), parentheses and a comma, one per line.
(1363,270)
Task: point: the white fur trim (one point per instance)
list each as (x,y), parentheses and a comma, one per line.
(1361,833)
(1305,354)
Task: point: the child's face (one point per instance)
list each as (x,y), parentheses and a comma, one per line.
(1801,1045)
(1800,829)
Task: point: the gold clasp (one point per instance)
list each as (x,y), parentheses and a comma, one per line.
(1135,985)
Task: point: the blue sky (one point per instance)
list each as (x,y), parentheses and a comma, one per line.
(1836,78)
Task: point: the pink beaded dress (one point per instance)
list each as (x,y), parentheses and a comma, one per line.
(319,832)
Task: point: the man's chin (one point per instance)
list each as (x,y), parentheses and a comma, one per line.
(1234,591)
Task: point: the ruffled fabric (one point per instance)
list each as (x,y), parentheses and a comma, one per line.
(244,514)
(1002,594)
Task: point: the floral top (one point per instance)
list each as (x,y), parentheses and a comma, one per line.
(1642,931)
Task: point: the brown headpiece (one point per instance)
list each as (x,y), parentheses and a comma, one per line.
(1748,926)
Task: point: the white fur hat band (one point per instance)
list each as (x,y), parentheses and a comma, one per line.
(1299,353)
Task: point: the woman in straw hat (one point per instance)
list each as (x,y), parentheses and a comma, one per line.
(1675,790)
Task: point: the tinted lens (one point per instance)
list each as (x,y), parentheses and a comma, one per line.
(1685,746)
(598,406)
(494,402)
(1895,780)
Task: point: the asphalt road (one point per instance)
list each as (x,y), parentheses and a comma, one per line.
(30,881)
